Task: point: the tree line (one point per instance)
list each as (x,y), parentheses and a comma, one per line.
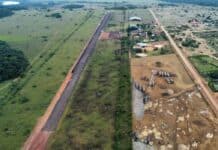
(6,11)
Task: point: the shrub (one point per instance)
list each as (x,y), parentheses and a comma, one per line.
(23,100)
(54,15)
(188,42)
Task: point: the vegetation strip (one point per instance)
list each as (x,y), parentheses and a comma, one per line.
(123,113)
(208,68)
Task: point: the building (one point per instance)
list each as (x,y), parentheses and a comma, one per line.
(135,18)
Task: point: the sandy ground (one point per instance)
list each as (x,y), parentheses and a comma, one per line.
(104,35)
(141,67)
(109,35)
(141,146)
(182,119)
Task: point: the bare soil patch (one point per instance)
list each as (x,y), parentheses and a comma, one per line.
(109,35)
(175,115)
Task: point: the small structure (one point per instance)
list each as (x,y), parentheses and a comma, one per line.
(169,80)
(194,22)
(158,46)
(141,55)
(146,98)
(141,45)
(135,18)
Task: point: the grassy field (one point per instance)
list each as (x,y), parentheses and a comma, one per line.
(88,121)
(23,100)
(211,38)
(207,67)
(204,64)
(99,112)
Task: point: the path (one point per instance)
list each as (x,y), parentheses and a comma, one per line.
(138,106)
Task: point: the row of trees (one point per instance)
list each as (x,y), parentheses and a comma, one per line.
(73,6)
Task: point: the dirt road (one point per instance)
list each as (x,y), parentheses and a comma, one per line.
(48,123)
(211,99)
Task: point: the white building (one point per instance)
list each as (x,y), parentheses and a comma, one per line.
(135,18)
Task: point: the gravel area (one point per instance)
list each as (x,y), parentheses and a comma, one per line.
(141,146)
(138,106)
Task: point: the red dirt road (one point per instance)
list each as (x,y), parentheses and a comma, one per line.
(209,96)
(38,138)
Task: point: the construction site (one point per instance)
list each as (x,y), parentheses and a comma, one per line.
(169,111)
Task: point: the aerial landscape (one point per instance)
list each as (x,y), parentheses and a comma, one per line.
(109,74)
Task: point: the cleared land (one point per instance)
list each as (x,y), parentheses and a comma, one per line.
(181,118)
(50,62)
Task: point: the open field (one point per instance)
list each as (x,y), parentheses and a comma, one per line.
(211,37)
(204,64)
(169,63)
(33,32)
(175,115)
(93,118)
(208,68)
(89,119)
(50,62)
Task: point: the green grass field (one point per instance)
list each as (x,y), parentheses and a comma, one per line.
(204,64)
(208,68)
(88,122)
(98,115)
(23,100)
